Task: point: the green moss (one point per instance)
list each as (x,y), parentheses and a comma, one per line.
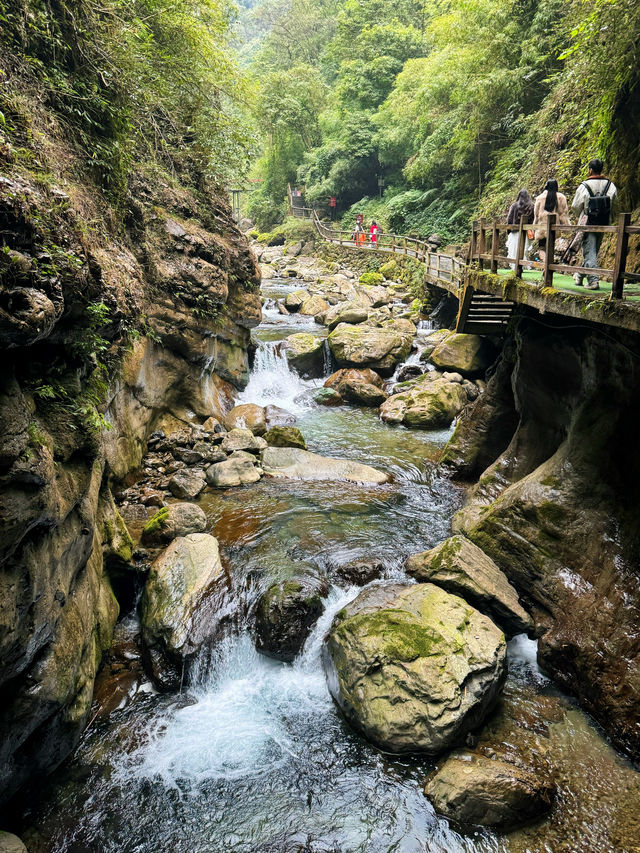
(371,278)
(389,270)
(156,523)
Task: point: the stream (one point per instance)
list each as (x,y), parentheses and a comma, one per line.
(253,756)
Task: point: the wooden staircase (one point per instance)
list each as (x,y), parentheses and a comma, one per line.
(483,314)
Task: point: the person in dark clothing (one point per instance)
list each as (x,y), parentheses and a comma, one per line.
(522,207)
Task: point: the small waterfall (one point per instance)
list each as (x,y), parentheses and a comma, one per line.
(273,383)
(207,385)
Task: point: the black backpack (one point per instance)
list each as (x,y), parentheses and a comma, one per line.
(598,206)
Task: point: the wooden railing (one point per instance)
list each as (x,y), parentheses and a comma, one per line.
(486,241)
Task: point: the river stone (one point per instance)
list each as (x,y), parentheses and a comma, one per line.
(285,436)
(466,354)
(460,567)
(173,521)
(179,604)
(313,305)
(247,416)
(305,353)
(357,386)
(277,416)
(212,425)
(10,843)
(285,614)
(431,404)
(303,465)
(380,348)
(187,484)
(327,397)
(475,790)
(414,668)
(345,312)
(242,439)
(293,301)
(236,471)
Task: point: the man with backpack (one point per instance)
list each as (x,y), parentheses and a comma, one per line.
(592,205)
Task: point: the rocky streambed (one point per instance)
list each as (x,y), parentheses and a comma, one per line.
(316,663)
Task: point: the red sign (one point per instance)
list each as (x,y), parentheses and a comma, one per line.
(332,201)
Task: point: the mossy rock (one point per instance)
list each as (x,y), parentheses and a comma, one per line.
(171,521)
(371,278)
(285,436)
(285,614)
(389,270)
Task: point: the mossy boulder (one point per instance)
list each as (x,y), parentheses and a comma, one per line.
(247,416)
(429,404)
(380,348)
(305,353)
(413,667)
(475,790)
(172,521)
(371,278)
(285,436)
(363,387)
(460,567)
(285,615)
(327,397)
(389,270)
(470,355)
(179,605)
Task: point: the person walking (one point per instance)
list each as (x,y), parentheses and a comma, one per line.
(549,201)
(373,233)
(522,208)
(593,203)
(358,235)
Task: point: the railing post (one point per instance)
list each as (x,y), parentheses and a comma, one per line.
(549,258)
(393,243)
(620,264)
(520,248)
(482,242)
(495,237)
(474,241)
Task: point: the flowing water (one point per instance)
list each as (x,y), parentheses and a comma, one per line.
(253,756)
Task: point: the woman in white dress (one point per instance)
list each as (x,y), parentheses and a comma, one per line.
(522,207)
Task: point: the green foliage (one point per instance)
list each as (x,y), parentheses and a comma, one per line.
(371,278)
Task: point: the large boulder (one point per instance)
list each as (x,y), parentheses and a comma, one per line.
(468,354)
(239,470)
(313,305)
(285,614)
(430,404)
(357,386)
(302,465)
(179,605)
(378,347)
(346,312)
(247,416)
(242,439)
(285,436)
(172,521)
(474,790)
(305,353)
(460,567)
(413,667)
(10,843)
(187,484)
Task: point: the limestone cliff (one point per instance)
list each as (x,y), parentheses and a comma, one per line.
(107,325)
(554,444)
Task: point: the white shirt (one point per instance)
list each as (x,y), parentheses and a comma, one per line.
(580,199)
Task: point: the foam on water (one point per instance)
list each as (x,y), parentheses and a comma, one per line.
(273,383)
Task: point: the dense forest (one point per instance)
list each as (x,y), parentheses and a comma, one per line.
(453,104)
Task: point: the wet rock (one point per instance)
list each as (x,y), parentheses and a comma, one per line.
(285,436)
(179,605)
(345,312)
(172,521)
(278,417)
(293,301)
(239,471)
(327,397)
(301,465)
(431,404)
(474,790)
(187,484)
(247,416)
(466,354)
(357,386)
(413,667)
(305,353)
(409,371)
(10,843)
(461,568)
(358,572)
(471,389)
(285,615)
(242,439)
(380,348)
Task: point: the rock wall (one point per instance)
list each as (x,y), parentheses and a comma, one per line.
(554,444)
(176,294)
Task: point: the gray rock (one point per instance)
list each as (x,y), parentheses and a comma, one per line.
(242,439)
(187,484)
(475,790)
(298,464)
(10,843)
(173,521)
(237,471)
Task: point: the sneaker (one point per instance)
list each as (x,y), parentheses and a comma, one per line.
(577,278)
(594,286)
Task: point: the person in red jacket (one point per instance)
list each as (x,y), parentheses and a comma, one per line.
(373,234)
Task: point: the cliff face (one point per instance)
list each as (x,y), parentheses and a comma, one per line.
(105,331)
(553,442)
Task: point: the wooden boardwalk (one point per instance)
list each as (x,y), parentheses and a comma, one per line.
(487,289)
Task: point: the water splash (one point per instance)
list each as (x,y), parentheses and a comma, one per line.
(274,383)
